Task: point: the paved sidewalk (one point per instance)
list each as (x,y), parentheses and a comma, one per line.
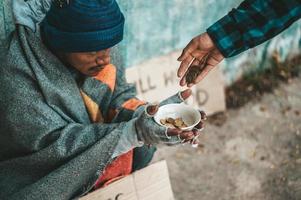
(254,155)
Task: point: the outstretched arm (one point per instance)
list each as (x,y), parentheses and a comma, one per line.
(252,23)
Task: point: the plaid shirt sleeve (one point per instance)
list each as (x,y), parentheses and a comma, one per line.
(252,23)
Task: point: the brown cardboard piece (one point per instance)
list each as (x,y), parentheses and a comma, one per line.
(156,79)
(150,183)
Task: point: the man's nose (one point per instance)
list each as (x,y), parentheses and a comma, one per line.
(103,57)
(103,61)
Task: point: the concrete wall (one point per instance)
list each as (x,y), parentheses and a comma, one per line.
(159,27)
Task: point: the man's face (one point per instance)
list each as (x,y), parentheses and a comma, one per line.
(89,63)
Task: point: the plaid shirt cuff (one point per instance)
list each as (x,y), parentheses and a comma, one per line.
(226,36)
(252,23)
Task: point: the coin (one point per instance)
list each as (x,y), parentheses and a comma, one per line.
(192,74)
(173,123)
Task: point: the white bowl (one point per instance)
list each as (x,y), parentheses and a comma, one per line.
(189,115)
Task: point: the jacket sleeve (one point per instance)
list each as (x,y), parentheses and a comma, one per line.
(252,23)
(125,106)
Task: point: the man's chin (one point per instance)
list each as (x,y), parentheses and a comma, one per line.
(90,74)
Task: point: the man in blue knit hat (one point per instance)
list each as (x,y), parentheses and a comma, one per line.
(69,121)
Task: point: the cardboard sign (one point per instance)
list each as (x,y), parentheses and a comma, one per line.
(156,79)
(150,183)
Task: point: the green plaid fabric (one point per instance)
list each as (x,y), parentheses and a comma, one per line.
(252,23)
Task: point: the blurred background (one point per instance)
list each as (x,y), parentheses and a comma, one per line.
(250,148)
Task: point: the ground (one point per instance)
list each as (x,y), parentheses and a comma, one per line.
(253,155)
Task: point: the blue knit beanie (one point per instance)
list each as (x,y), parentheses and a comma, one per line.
(83,26)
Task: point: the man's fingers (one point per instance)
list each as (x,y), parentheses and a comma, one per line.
(187,135)
(192,45)
(182,56)
(192,59)
(200,125)
(199,54)
(203,115)
(152,109)
(184,65)
(203,74)
(197,59)
(185,53)
(209,64)
(173,132)
(183,81)
(190,85)
(196,62)
(177,98)
(183,135)
(186,93)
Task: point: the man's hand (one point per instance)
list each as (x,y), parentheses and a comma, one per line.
(201,52)
(152,133)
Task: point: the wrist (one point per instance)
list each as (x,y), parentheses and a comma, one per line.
(226,36)
(139,110)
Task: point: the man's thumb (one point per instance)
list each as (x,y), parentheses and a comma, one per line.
(152,109)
